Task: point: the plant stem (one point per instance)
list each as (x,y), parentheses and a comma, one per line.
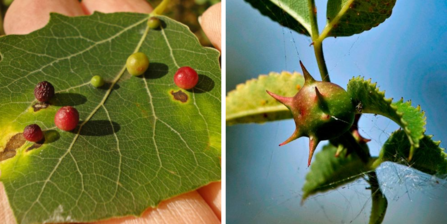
(318,44)
(318,49)
(313,19)
(161,8)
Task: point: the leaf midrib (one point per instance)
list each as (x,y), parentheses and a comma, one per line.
(334,21)
(292,12)
(278,108)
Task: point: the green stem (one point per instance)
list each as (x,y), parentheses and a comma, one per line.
(318,44)
(379,201)
(318,49)
(313,19)
(160,8)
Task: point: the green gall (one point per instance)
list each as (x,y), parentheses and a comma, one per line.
(137,63)
(321,110)
(153,23)
(97,81)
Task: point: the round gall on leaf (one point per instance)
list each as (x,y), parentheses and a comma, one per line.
(153,23)
(66,118)
(97,81)
(321,110)
(44,91)
(137,63)
(186,78)
(33,133)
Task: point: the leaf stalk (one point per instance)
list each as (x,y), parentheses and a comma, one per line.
(317,42)
(161,8)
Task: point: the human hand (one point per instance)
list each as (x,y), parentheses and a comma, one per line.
(25,16)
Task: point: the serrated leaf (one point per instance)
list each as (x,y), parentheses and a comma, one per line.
(369,99)
(293,14)
(429,157)
(328,172)
(349,17)
(137,143)
(249,102)
(379,201)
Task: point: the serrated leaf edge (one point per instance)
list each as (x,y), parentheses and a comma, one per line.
(402,122)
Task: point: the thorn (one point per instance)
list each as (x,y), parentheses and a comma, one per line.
(313,142)
(294,136)
(308,79)
(321,102)
(339,150)
(311,44)
(287,101)
(319,95)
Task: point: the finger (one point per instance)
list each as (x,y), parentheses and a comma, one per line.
(186,208)
(210,22)
(211,194)
(6,214)
(25,16)
(108,6)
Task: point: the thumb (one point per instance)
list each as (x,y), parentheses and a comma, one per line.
(210,22)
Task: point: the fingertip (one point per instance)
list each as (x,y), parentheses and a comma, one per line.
(212,195)
(211,24)
(5,210)
(186,208)
(25,16)
(109,6)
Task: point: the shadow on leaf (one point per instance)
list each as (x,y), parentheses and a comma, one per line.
(107,85)
(68,99)
(100,128)
(205,84)
(156,71)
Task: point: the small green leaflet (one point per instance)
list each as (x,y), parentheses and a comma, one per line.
(328,172)
(349,17)
(369,99)
(141,139)
(249,102)
(429,157)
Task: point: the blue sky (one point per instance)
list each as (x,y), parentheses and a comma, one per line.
(406,55)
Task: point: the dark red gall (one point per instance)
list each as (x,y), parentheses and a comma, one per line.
(44,91)
(33,133)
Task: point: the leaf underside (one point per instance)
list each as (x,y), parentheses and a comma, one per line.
(349,17)
(328,172)
(137,143)
(369,99)
(249,102)
(429,157)
(289,13)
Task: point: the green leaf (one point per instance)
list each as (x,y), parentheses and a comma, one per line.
(369,99)
(293,14)
(137,143)
(349,17)
(429,157)
(379,201)
(328,172)
(250,103)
